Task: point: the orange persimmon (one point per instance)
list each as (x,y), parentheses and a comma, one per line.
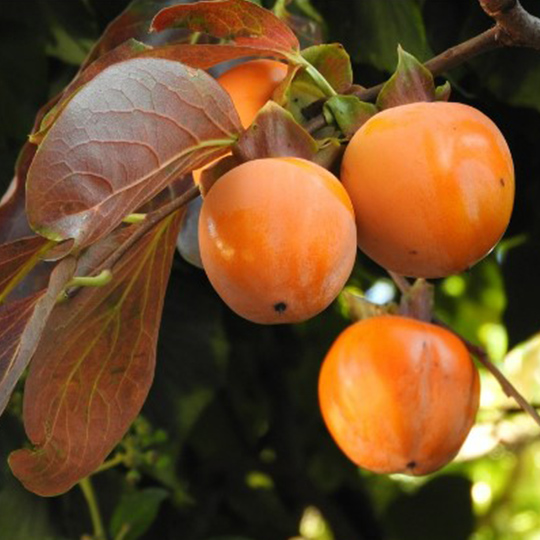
(277,239)
(432,185)
(398,395)
(250,85)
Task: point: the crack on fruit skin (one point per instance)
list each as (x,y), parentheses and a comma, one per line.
(501,181)
(280,307)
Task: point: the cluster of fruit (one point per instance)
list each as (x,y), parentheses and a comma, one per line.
(425,190)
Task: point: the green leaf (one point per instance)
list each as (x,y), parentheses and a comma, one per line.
(329,152)
(372,29)
(349,113)
(300,90)
(136,512)
(333,62)
(23,516)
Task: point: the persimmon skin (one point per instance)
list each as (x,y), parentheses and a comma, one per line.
(250,86)
(398,395)
(432,185)
(277,239)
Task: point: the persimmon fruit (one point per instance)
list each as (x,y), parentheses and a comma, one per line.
(432,185)
(398,395)
(277,239)
(250,86)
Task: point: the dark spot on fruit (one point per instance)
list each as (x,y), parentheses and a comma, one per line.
(501,181)
(411,465)
(413,252)
(280,307)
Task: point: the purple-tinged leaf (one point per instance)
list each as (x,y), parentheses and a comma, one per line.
(94,367)
(124,136)
(18,259)
(244,23)
(207,56)
(21,326)
(275,133)
(125,51)
(410,83)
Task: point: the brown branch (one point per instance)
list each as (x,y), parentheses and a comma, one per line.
(514,27)
(508,388)
(149,223)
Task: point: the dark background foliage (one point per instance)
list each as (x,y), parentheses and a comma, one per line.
(231,444)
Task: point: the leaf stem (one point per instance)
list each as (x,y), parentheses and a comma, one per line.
(111,463)
(317,76)
(89,494)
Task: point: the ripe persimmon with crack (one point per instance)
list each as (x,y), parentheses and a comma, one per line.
(432,185)
(398,395)
(277,239)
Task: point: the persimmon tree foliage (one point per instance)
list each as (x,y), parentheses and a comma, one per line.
(90,224)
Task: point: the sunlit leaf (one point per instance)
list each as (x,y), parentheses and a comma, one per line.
(94,367)
(21,326)
(241,21)
(136,127)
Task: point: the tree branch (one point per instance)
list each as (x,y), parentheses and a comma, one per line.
(514,27)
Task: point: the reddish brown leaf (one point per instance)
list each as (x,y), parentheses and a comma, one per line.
(275,133)
(93,369)
(13,222)
(121,139)
(243,22)
(125,51)
(207,56)
(17,259)
(132,23)
(21,326)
